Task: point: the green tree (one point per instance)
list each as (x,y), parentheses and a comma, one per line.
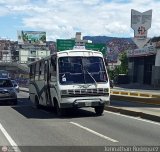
(121,69)
(124,63)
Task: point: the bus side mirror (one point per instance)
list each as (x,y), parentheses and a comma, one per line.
(15,85)
(106,62)
(53,62)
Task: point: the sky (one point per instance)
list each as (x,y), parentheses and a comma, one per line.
(61,19)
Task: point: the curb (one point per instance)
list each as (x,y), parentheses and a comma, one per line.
(133,113)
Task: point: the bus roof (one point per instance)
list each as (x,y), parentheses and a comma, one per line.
(74,52)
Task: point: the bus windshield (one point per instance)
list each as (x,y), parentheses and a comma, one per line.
(80,70)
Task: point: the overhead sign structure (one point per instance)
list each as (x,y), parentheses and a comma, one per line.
(140,23)
(69,44)
(96,47)
(65,44)
(31,37)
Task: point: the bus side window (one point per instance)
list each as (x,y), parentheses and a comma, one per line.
(34,71)
(41,77)
(53,69)
(40,70)
(37,71)
(46,72)
(53,62)
(31,72)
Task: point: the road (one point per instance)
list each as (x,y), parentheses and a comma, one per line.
(24,125)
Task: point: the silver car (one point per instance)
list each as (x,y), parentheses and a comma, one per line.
(7,91)
(15,85)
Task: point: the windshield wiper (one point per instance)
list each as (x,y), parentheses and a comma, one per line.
(91,77)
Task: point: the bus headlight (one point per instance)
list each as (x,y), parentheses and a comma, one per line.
(63,92)
(106,90)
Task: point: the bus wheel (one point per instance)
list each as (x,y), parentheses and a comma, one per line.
(36,103)
(59,111)
(99,110)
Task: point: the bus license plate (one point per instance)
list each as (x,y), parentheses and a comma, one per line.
(87,104)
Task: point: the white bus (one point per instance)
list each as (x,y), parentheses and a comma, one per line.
(70,79)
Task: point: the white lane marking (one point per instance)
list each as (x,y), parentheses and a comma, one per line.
(94,132)
(141,119)
(11,141)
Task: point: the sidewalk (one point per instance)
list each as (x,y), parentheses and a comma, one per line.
(139,105)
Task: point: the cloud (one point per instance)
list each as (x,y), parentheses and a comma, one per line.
(3,11)
(28,9)
(61,18)
(91,2)
(13,2)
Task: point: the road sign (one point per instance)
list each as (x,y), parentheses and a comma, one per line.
(65,44)
(140,23)
(140,42)
(96,47)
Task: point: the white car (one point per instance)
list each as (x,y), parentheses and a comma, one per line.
(7,91)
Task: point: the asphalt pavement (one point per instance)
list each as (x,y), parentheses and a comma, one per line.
(27,126)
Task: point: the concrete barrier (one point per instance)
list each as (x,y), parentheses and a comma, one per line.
(134,96)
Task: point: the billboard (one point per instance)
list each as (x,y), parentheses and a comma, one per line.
(145,51)
(65,44)
(112,54)
(31,37)
(140,23)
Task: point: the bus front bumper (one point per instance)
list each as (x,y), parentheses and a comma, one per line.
(84,102)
